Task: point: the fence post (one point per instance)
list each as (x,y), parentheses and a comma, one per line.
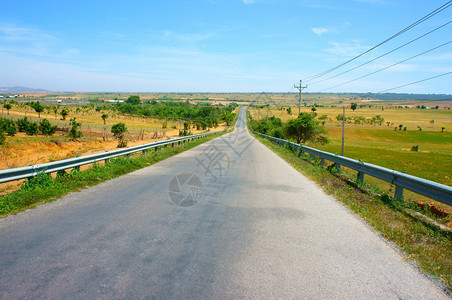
(78,167)
(398,192)
(360,177)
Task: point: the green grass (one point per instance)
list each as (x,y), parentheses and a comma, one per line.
(425,244)
(392,149)
(44,188)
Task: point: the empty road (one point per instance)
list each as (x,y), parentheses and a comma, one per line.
(227,219)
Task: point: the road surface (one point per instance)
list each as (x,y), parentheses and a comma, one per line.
(227,219)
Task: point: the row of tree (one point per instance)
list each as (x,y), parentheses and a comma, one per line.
(301,129)
(203,115)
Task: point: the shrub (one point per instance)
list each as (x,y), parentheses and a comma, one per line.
(119,131)
(22,124)
(8,126)
(2,138)
(32,128)
(74,132)
(64,113)
(47,128)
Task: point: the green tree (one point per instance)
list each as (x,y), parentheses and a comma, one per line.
(354,106)
(119,130)
(304,128)
(134,100)
(104,118)
(32,128)
(74,132)
(7,106)
(38,108)
(22,124)
(55,111)
(8,126)
(47,128)
(64,113)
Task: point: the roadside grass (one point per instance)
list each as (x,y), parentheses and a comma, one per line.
(392,150)
(421,242)
(44,188)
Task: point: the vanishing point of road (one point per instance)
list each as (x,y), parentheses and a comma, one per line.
(227,219)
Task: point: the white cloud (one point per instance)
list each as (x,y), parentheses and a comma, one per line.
(346,49)
(319,30)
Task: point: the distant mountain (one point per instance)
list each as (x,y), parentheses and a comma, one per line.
(19,89)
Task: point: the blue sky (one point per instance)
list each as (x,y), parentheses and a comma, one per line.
(219,45)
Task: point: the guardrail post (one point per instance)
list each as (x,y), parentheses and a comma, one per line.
(178,142)
(156,149)
(78,167)
(107,161)
(338,167)
(172,145)
(143,152)
(360,177)
(322,162)
(128,155)
(398,192)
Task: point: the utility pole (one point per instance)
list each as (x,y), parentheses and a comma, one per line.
(300,88)
(343,129)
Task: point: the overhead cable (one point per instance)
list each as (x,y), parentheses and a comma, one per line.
(424,18)
(372,60)
(390,66)
(419,81)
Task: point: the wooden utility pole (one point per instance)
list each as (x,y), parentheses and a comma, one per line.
(300,88)
(343,129)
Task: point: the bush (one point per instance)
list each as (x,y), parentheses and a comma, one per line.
(47,128)
(119,131)
(32,128)
(74,132)
(22,124)
(8,126)
(2,138)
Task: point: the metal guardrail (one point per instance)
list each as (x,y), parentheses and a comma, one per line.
(33,170)
(431,189)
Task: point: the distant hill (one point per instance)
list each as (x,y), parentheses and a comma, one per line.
(19,89)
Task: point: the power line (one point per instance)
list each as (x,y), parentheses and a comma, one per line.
(397,63)
(401,86)
(426,17)
(393,50)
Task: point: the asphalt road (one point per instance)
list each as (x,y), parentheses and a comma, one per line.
(227,219)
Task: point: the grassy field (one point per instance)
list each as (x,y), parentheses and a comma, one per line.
(383,145)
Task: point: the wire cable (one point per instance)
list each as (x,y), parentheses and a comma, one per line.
(426,17)
(390,66)
(401,86)
(393,50)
